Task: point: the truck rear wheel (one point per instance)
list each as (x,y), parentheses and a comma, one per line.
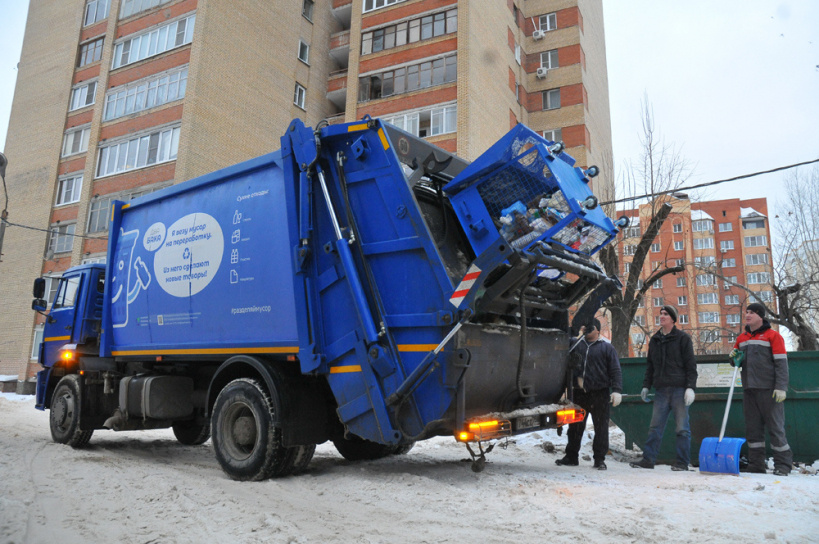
(246,440)
(64,418)
(358,449)
(193,432)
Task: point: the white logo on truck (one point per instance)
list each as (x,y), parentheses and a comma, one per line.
(190,256)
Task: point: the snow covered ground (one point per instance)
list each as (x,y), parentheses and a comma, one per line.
(144,487)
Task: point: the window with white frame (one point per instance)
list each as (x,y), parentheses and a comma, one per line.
(707,298)
(705,279)
(443,120)
(729,263)
(551,99)
(680,262)
(638,338)
(632,232)
(703,243)
(727,283)
(153,42)
(52,282)
(629,249)
(702,225)
(547,22)
(679,245)
(428,122)
(304,52)
(370,5)
(753,224)
(68,190)
(555,135)
(656,320)
(93,260)
(517,53)
(100,207)
(758,277)
(726,227)
(706,260)
(132,7)
(548,59)
(683,319)
(681,281)
(626,267)
(655,247)
(732,319)
(657,284)
(95,10)
(90,52)
(726,245)
(61,238)
(709,336)
(414,30)
(83,95)
(408,78)
(731,299)
(640,284)
(307,9)
(38,339)
(137,152)
(300,96)
(658,302)
(763,296)
(76,141)
(756,241)
(146,93)
(640,320)
(677,227)
(708,317)
(682,301)
(756,258)
(641,303)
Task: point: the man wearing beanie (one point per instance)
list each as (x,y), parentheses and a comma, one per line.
(672,370)
(764,386)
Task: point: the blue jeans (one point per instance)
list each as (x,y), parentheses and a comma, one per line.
(666,401)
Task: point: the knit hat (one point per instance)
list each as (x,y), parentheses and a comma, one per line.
(757,308)
(671,311)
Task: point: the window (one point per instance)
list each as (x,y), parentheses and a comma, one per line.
(704,261)
(146,93)
(640,302)
(100,208)
(681,281)
(430,122)
(709,336)
(732,319)
(430,26)
(638,337)
(548,59)
(82,96)
(707,298)
(629,249)
(90,52)
(640,284)
(705,279)
(67,293)
(702,225)
(68,190)
(655,247)
(754,224)
(758,277)
(38,339)
(626,267)
(679,245)
(677,227)
(757,258)
(408,78)
(307,9)
(680,262)
(304,52)
(95,10)
(551,99)
(731,299)
(726,227)
(756,241)
(138,152)
(632,232)
(709,317)
(130,7)
(729,263)
(703,243)
(640,320)
(517,53)
(555,135)
(682,301)
(76,141)
(727,283)
(656,320)
(683,319)
(731,337)
(657,284)
(51,288)
(443,120)
(548,22)
(726,245)
(61,238)
(658,302)
(370,5)
(154,42)
(763,296)
(299,96)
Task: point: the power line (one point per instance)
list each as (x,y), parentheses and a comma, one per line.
(9,223)
(708,184)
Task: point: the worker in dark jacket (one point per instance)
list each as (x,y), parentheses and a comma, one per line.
(672,370)
(764,386)
(597,382)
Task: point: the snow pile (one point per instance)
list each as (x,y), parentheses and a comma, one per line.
(145,487)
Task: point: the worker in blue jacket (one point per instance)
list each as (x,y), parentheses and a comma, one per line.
(597,382)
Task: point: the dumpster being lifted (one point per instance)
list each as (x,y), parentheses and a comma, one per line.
(359,286)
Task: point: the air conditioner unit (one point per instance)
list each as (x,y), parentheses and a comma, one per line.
(538,34)
(541,73)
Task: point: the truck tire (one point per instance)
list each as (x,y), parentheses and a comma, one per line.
(191,433)
(358,449)
(246,441)
(304,454)
(64,417)
(402,449)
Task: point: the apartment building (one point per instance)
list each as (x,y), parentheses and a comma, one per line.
(118,98)
(724,245)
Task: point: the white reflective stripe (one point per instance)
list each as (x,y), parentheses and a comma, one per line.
(758,343)
(756,444)
(780,356)
(786,447)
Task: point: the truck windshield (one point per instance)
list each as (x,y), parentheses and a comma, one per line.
(67,292)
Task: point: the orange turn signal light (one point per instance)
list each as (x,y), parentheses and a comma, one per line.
(483,426)
(67,355)
(568,416)
(464,436)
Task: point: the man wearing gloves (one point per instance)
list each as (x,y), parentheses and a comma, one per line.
(672,370)
(599,371)
(764,386)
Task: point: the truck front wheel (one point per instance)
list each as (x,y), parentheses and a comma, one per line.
(193,432)
(246,440)
(64,418)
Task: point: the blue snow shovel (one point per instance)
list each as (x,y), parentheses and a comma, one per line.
(722,455)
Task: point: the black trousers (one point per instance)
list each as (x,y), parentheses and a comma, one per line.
(595,403)
(763,413)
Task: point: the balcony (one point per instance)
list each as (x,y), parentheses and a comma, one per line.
(342,10)
(337,89)
(340,48)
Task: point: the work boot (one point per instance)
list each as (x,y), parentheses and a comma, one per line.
(679,467)
(600,465)
(567,461)
(753,470)
(642,463)
(781,472)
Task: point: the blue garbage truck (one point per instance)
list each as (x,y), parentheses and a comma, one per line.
(359,285)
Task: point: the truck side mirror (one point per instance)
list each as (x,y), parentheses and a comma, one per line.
(39,288)
(39,305)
